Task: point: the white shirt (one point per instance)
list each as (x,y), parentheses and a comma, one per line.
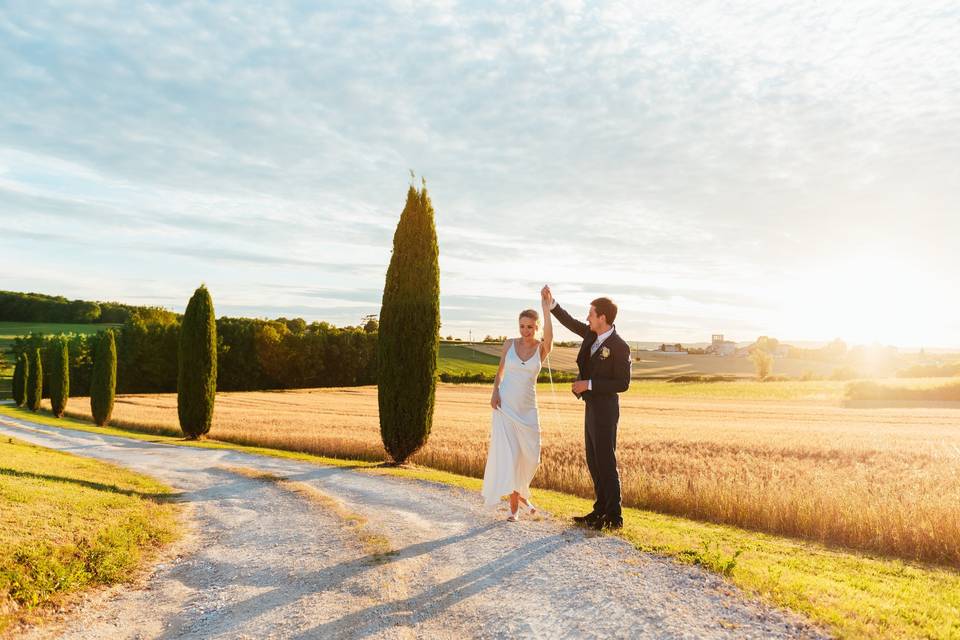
(600,338)
(593,348)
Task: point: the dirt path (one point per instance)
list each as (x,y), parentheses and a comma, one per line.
(268,559)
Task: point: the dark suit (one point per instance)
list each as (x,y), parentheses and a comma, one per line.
(608,369)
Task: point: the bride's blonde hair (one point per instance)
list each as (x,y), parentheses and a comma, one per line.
(533,315)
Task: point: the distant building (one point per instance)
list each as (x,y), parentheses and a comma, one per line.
(676,349)
(721,347)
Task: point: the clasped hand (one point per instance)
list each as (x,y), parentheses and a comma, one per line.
(546,297)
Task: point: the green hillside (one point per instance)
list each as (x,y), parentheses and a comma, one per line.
(458,360)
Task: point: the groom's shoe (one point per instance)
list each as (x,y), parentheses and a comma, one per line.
(588,519)
(607,522)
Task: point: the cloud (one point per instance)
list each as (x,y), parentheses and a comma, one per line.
(692,157)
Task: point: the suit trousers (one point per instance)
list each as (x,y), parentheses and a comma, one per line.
(600,435)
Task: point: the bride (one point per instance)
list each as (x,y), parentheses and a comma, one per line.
(514,453)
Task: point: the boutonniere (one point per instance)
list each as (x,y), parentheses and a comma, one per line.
(604,353)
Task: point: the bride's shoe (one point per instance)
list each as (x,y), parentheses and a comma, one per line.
(531,508)
(514,515)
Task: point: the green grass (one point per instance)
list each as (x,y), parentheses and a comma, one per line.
(852,595)
(789,390)
(458,360)
(68,522)
(743,389)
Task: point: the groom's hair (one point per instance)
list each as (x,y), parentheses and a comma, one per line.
(605,307)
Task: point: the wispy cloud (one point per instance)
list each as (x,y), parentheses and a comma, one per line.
(692,158)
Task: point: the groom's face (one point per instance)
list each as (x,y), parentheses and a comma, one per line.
(594,320)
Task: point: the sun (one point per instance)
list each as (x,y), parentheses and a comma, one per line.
(865,299)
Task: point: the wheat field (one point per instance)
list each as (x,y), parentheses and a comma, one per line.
(879,480)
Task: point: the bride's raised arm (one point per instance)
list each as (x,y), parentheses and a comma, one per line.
(546,345)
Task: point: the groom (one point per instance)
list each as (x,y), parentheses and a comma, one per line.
(604,363)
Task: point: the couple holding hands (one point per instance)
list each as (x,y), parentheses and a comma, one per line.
(604,371)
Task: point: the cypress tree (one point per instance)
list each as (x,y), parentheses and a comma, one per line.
(20,370)
(409,331)
(59,377)
(34,380)
(197,365)
(103,380)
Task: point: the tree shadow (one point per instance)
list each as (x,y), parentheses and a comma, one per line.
(285,591)
(89,484)
(438,598)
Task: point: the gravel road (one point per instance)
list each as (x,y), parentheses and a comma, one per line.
(264,560)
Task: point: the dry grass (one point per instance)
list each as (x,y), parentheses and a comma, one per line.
(882,480)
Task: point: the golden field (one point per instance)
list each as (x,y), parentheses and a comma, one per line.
(794,462)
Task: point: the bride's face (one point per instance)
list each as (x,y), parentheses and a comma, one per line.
(528,327)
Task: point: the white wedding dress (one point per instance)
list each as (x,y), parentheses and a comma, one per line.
(514,453)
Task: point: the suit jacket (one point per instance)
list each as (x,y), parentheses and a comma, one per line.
(608,369)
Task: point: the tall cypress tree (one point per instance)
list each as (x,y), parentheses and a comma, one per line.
(103,380)
(34,381)
(20,370)
(59,377)
(409,331)
(197,365)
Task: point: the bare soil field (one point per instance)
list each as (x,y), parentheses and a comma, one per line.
(878,479)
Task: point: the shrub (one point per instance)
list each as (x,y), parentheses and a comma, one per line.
(103,381)
(197,365)
(762,362)
(409,331)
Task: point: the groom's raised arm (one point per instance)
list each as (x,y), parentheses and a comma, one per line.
(582,329)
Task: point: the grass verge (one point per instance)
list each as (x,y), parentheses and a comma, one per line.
(67,523)
(852,595)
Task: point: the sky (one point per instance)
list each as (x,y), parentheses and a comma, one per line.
(778,168)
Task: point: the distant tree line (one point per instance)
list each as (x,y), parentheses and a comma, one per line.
(252,354)
(37,307)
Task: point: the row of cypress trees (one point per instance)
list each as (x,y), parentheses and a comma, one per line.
(407,347)
(196,376)
(28,379)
